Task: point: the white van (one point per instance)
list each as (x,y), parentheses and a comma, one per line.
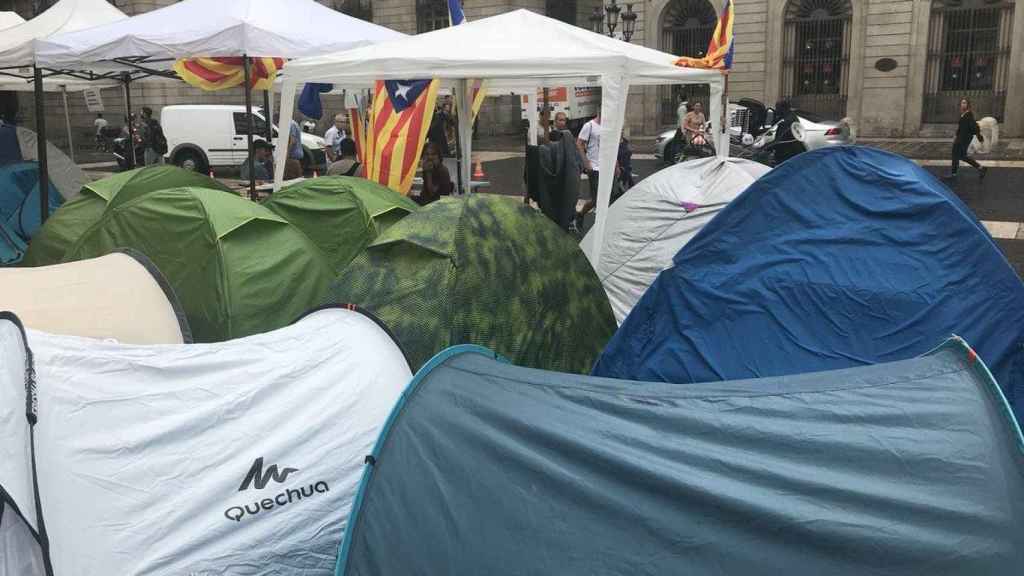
(202,136)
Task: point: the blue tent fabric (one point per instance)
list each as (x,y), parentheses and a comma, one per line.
(19,208)
(912,467)
(840,257)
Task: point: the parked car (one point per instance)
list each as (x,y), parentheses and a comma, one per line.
(200,137)
(749,116)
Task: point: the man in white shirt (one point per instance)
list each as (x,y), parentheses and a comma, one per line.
(589,145)
(334,135)
(100,123)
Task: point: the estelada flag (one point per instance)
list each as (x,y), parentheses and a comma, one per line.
(227,72)
(399,120)
(358,130)
(719,55)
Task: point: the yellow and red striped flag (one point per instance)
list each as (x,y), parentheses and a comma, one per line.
(227,72)
(399,120)
(719,55)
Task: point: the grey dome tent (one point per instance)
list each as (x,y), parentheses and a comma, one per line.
(237,457)
(912,467)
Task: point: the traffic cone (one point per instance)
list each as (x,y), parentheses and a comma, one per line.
(478,171)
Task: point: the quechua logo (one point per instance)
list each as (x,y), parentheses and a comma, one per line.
(259,478)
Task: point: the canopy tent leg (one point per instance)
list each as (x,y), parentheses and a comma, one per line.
(462,102)
(67,122)
(614,89)
(531,115)
(248,128)
(719,118)
(133,162)
(281,146)
(44,167)
(268,101)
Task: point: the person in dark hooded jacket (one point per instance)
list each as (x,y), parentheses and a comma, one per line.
(966,129)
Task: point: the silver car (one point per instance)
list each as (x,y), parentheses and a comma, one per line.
(812,130)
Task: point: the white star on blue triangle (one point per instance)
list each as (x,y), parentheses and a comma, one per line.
(403,93)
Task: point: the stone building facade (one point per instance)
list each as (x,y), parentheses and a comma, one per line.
(897,68)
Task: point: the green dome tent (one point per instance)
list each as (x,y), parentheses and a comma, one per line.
(340,214)
(72,219)
(237,268)
(483,270)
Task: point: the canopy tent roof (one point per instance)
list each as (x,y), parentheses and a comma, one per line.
(869,470)
(18,44)
(9,19)
(204,434)
(273,28)
(120,296)
(516,45)
(648,226)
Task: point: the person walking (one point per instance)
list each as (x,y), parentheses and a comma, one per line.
(153,140)
(966,129)
(589,145)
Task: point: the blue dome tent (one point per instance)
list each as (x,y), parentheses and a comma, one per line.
(19,188)
(840,257)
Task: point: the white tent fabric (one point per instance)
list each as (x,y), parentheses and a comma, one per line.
(9,19)
(18,44)
(279,28)
(518,47)
(241,457)
(119,296)
(657,217)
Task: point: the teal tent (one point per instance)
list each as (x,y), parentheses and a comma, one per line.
(911,467)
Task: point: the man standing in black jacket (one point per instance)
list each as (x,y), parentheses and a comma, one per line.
(965,131)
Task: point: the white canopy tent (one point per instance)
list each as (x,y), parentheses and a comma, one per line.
(21,71)
(8,19)
(200,28)
(516,50)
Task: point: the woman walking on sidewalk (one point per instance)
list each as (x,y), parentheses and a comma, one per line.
(965,131)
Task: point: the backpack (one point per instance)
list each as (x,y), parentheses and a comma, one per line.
(157,139)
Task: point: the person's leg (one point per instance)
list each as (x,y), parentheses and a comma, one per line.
(956,159)
(589,204)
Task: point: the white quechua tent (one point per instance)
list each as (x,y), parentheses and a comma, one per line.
(658,217)
(518,49)
(241,457)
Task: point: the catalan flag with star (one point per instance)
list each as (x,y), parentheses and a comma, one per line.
(719,55)
(399,119)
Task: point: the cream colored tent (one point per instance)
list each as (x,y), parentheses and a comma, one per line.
(120,296)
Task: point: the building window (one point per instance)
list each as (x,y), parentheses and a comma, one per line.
(816,57)
(431,15)
(564,10)
(686,29)
(362,9)
(968,56)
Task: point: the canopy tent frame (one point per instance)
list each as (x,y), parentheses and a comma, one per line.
(615,64)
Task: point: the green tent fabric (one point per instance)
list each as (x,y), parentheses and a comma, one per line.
(72,219)
(237,268)
(340,214)
(483,270)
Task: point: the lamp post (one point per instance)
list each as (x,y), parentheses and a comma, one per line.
(605,19)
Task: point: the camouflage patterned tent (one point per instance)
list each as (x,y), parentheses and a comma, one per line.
(68,223)
(237,268)
(483,270)
(340,214)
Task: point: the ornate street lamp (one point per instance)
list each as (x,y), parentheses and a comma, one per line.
(605,20)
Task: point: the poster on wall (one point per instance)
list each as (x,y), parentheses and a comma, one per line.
(93,99)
